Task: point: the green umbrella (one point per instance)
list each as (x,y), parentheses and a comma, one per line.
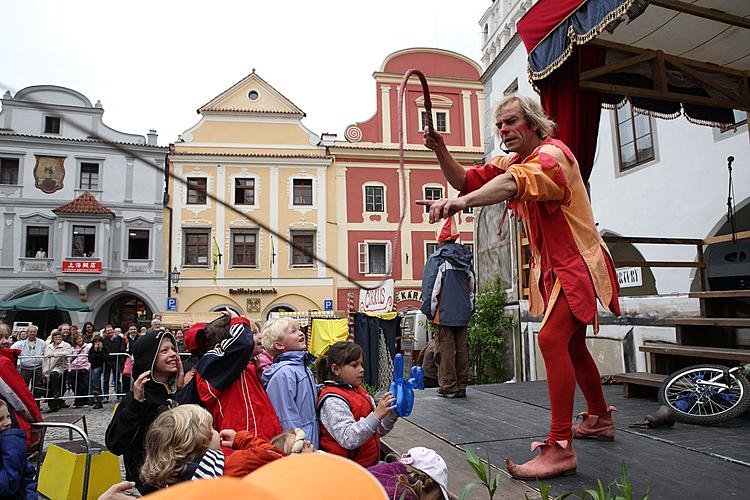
(45,301)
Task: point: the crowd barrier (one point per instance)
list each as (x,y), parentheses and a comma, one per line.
(80,386)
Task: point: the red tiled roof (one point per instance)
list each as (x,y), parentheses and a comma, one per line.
(84,204)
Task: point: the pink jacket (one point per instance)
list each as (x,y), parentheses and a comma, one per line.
(79,358)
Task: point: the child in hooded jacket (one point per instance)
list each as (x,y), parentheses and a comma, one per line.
(288,381)
(157,371)
(350,422)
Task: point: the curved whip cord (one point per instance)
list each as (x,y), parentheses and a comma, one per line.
(401,169)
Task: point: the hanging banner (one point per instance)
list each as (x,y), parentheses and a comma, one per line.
(377,300)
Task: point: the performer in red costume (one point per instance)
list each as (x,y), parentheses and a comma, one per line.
(570,266)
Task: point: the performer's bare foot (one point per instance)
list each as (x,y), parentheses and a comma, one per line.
(595,426)
(556,458)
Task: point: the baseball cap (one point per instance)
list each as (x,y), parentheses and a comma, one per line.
(189,337)
(429,462)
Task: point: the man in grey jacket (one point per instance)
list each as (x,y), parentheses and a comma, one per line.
(448,302)
(30,360)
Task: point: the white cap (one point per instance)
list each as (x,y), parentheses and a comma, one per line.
(429,462)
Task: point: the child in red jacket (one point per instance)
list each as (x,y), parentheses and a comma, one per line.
(227,383)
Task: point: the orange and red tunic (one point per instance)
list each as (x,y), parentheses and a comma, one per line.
(566,249)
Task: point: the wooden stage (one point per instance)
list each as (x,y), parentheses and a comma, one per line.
(685,461)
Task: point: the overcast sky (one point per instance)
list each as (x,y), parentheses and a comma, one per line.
(153,63)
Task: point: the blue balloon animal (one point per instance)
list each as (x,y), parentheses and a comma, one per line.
(402,389)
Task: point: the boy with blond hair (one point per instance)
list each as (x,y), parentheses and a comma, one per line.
(289,382)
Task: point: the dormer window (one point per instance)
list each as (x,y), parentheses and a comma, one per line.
(51,124)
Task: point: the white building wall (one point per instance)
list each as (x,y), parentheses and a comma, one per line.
(132,188)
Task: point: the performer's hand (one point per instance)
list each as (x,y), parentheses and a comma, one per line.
(227,437)
(386,404)
(433,140)
(443,208)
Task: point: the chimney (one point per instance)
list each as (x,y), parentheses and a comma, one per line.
(327,139)
(152,136)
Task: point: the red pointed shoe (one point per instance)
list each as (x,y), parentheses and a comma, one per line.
(556,458)
(595,427)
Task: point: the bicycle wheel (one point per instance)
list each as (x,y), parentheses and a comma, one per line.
(704,404)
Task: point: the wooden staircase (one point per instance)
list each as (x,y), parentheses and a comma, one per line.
(711,338)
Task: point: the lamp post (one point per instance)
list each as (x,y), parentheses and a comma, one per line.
(175,278)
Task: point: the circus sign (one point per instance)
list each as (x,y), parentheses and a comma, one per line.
(377,300)
(49,173)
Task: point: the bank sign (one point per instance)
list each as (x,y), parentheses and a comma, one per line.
(378,300)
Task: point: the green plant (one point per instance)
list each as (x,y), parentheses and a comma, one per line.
(544,493)
(484,475)
(486,346)
(623,490)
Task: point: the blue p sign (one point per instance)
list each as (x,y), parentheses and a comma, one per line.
(171,303)
(328,305)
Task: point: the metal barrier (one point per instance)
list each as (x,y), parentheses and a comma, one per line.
(43,426)
(83,385)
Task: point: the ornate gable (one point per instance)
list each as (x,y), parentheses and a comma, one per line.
(252,94)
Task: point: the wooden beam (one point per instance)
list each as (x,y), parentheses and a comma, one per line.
(715,68)
(651,240)
(691,73)
(727,237)
(695,10)
(658,263)
(616,66)
(609,88)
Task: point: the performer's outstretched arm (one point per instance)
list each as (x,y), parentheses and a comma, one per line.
(501,188)
(454,173)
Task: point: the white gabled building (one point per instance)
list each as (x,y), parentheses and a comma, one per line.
(81,209)
(651,178)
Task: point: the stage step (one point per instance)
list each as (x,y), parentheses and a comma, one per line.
(742,355)
(721,294)
(706,322)
(633,383)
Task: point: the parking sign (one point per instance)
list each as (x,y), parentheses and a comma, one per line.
(328,305)
(171,303)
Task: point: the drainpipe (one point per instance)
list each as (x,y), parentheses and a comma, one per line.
(167,206)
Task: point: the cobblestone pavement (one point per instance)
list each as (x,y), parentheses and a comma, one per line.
(97,421)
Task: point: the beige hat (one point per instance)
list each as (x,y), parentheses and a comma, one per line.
(429,462)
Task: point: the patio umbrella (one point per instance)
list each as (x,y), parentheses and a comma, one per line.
(45,301)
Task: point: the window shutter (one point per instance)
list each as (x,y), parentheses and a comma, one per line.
(363,261)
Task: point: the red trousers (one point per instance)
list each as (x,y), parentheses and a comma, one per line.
(562,341)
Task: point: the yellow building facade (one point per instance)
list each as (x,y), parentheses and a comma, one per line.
(247,180)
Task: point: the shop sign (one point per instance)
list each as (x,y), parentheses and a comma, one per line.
(629,277)
(253,291)
(402,295)
(82,266)
(378,300)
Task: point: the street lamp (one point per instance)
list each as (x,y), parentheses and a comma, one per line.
(175,276)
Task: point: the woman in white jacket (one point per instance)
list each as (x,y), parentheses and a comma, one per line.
(54,367)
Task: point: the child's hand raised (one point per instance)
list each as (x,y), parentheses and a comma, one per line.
(227,437)
(386,405)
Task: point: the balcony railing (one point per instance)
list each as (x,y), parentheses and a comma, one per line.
(34,265)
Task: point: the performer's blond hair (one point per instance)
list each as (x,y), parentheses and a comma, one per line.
(532,111)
